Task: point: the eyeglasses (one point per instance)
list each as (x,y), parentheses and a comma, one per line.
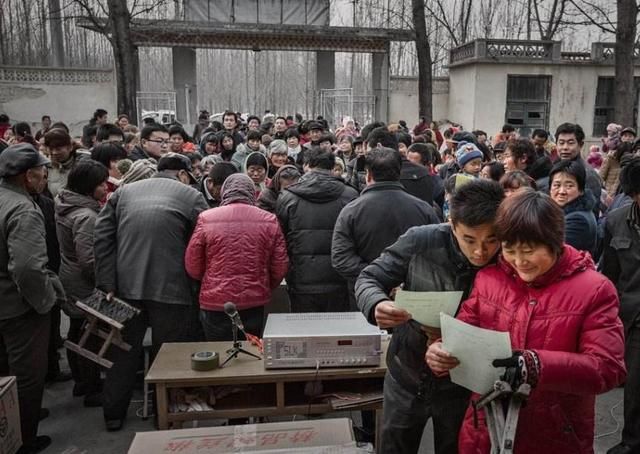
(162,142)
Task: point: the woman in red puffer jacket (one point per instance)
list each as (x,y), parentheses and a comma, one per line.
(562,317)
(239,253)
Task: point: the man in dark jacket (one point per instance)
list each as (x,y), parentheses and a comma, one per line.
(307,212)
(358,239)
(211,184)
(621,264)
(140,239)
(154,143)
(29,290)
(444,257)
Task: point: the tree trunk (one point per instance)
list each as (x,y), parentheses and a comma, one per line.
(625,93)
(57,40)
(125,56)
(423,50)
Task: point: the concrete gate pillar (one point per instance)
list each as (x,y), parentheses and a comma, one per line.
(380,84)
(184,84)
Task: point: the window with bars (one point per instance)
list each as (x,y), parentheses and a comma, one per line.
(528,103)
(604,112)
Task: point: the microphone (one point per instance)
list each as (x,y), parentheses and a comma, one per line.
(232,312)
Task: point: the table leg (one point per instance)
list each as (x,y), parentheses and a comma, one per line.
(378,429)
(163,408)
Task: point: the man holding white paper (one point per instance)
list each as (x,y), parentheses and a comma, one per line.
(434,258)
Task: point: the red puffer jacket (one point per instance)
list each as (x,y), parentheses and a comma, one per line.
(569,317)
(239,253)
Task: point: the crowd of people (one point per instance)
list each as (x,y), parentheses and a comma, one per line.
(543,244)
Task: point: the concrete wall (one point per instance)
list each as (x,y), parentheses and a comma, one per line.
(68,95)
(403,99)
(573,93)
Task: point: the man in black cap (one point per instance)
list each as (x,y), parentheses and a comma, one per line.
(140,239)
(29,290)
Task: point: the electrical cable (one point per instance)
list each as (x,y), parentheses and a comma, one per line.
(315,379)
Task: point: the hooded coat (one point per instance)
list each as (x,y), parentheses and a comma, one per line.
(580,223)
(308,211)
(237,250)
(569,317)
(75,220)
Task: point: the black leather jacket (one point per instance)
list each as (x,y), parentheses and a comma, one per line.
(426,258)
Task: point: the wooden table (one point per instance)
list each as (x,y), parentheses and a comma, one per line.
(272,392)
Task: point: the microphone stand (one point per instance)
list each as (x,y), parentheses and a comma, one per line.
(236,349)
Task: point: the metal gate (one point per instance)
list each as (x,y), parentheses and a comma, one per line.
(335,104)
(159,105)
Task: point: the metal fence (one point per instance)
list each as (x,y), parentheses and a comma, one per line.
(160,105)
(335,104)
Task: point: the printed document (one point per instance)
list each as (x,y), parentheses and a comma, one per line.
(425,307)
(475,348)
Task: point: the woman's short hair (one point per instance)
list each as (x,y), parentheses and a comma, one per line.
(278,147)
(517,179)
(496,170)
(85,177)
(531,217)
(573,168)
(522,148)
(105,153)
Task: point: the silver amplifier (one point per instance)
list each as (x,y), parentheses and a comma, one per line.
(331,339)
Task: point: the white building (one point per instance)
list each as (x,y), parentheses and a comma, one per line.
(529,84)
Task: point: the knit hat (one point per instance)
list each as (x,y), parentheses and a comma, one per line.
(124,165)
(467,152)
(140,170)
(594,159)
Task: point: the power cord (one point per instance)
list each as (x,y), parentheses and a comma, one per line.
(613,432)
(313,387)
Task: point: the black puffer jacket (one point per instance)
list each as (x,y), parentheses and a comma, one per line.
(426,258)
(419,183)
(307,212)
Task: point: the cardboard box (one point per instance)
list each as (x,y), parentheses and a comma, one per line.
(313,436)
(10,436)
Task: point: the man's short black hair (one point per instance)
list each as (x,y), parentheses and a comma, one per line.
(281,118)
(254,135)
(540,133)
(383,137)
(478,133)
(573,168)
(630,178)
(99,113)
(571,128)
(291,132)
(221,171)
(317,158)
(105,153)
(507,128)
(476,203)
(424,150)
(177,129)
(254,117)
(384,164)
(228,113)
(403,137)
(366,130)
(4,118)
(106,130)
(193,157)
(327,137)
(86,176)
(45,117)
(150,129)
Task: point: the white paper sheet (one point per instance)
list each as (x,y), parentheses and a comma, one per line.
(425,307)
(475,348)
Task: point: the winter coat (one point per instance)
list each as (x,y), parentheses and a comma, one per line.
(307,212)
(621,262)
(268,198)
(426,258)
(47,207)
(358,239)
(580,226)
(239,253)
(569,317)
(356,176)
(610,173)
(140,238)
(75,218)
(202,187)
(25,282)
(420,183)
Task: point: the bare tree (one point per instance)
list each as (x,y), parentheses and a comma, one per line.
(549,26)
(423,50)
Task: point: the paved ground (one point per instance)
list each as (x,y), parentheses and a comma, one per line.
(79,430)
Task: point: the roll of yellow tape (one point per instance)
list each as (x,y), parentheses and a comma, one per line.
(202,361)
